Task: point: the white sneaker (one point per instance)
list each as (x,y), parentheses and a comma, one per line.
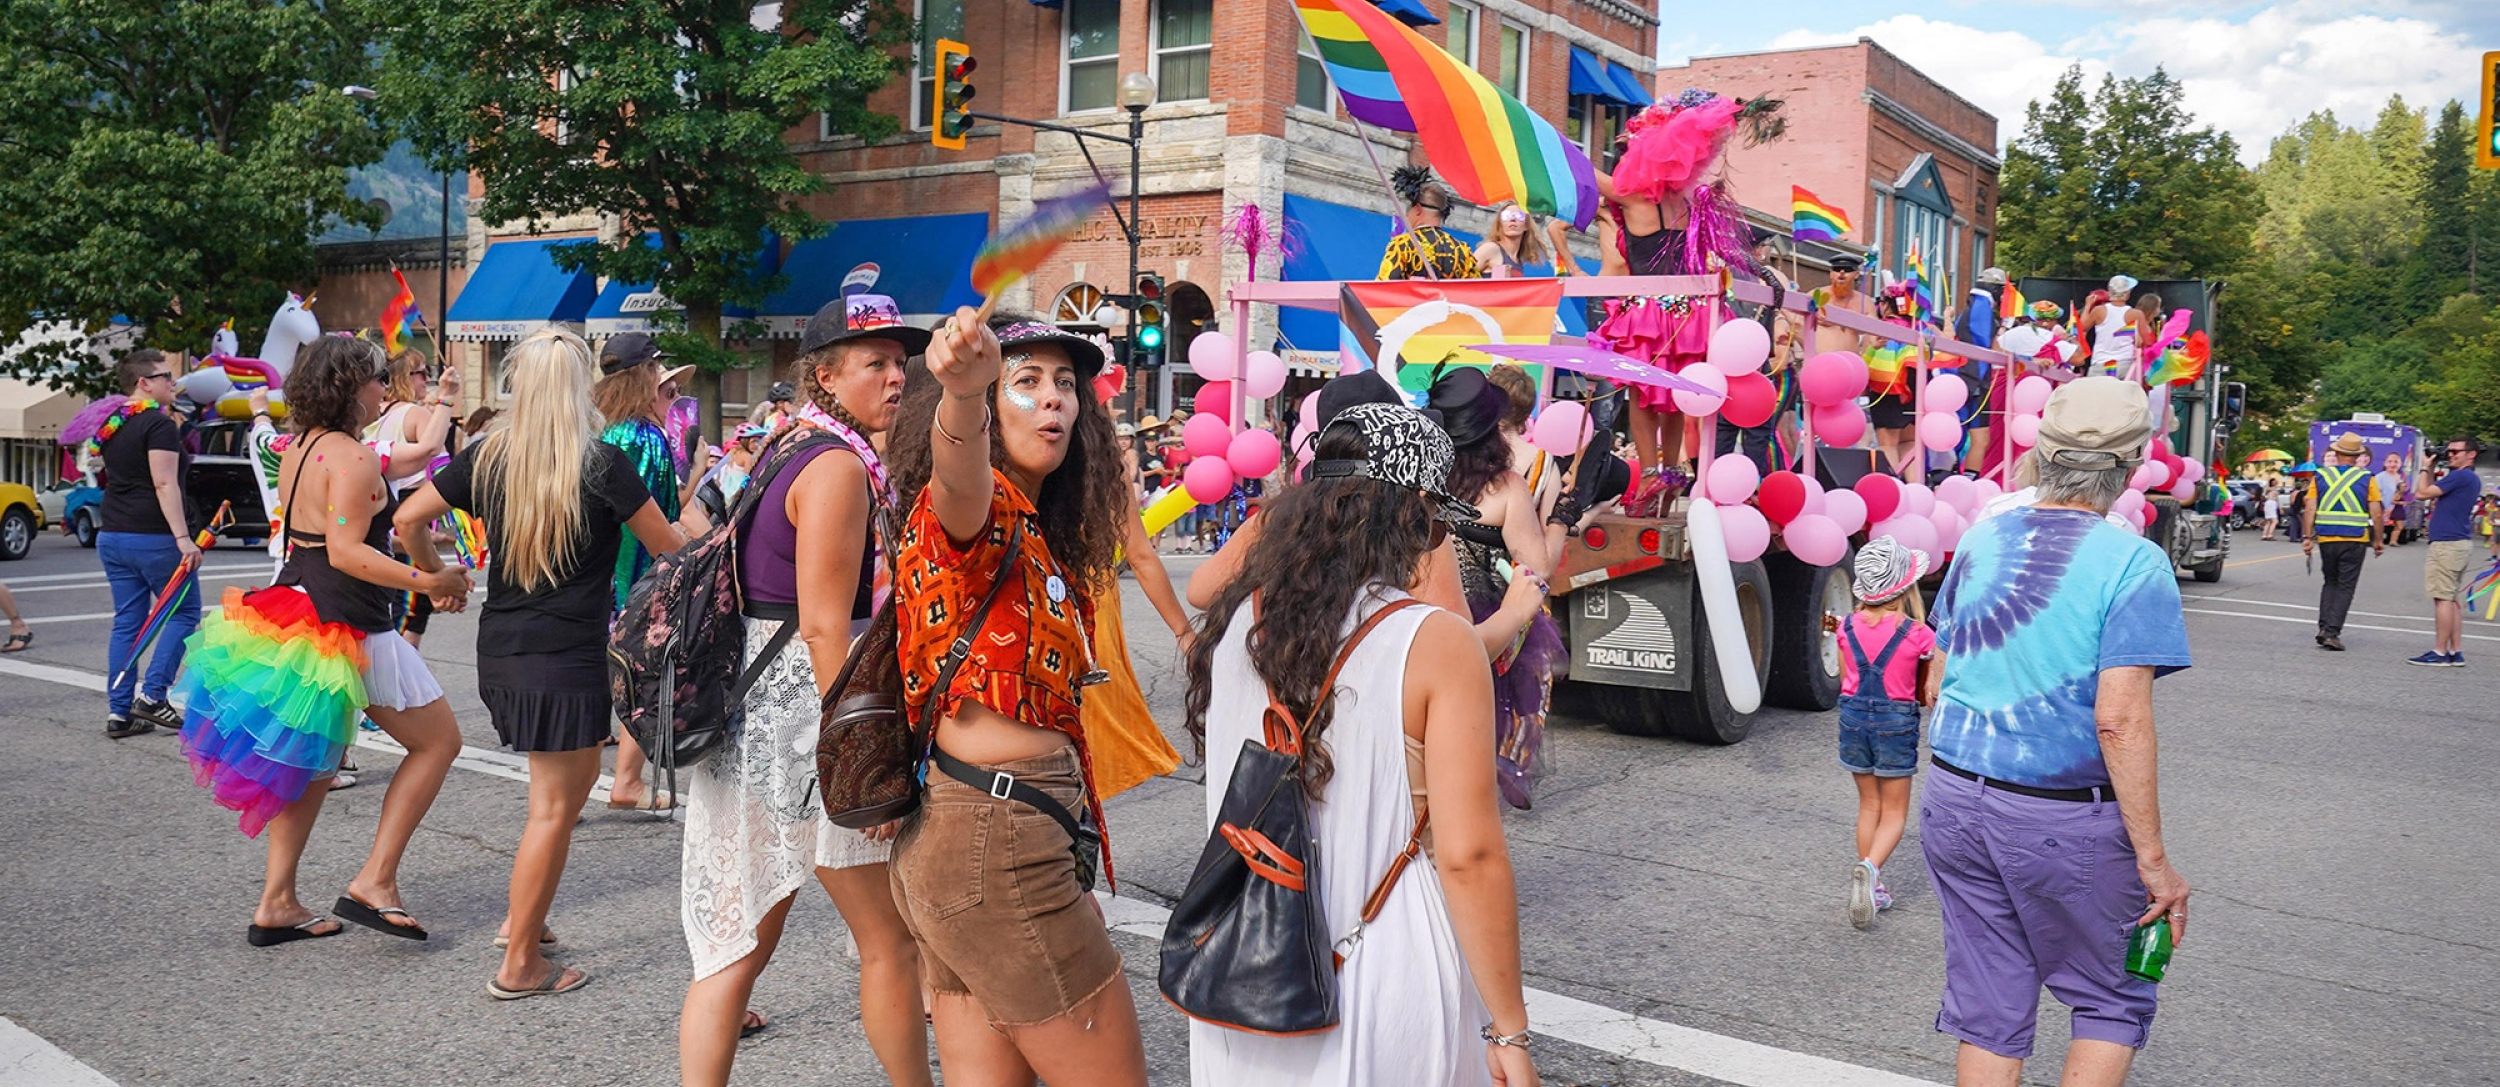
(1862,894)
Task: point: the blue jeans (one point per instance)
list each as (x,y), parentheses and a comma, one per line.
(137,564)
(1878,735)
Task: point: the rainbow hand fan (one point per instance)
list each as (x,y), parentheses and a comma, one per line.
(174,591)
(1013,254)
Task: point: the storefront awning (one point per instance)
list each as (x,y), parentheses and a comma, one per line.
(32,412)
(624,307)
(516,290)
(1333,241)
(1409,12)
(1635,92)
(923,262)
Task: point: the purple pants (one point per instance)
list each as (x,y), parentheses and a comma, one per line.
(2033,892)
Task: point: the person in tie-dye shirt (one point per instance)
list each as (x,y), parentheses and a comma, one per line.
(2042,832)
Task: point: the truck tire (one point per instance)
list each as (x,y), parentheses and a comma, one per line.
(1703,716)
(1634,711)
(1805,658)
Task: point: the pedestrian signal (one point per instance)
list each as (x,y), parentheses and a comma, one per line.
(953,115)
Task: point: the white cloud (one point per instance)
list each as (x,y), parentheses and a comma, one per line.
(2252,77)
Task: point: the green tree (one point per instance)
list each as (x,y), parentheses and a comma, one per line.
(169,163)
(670,115)
(2124,184)
(2443,264)
(2463,396)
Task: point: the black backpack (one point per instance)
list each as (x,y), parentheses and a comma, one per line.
(675,651)
(1247,946)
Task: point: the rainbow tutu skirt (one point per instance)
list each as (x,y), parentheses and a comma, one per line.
(271,697)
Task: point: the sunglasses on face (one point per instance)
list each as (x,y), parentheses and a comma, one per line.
(166,376)
(2456,449)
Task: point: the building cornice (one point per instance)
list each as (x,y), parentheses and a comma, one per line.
(1561,26)
(1930,130)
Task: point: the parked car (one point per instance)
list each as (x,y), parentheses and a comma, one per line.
(70,503)
(2248,503)
(21,517)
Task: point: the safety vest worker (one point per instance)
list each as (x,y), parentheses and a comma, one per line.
(2343,497)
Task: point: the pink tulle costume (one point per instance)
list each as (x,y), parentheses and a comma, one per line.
(1672,147)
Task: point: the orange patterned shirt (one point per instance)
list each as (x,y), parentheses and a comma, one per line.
(1031,653)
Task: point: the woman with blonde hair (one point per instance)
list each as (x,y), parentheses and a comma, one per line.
(1512,244)
(556,503)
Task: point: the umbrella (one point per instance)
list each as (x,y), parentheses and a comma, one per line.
(171,595)
(2268,455)
(1595,361)
(2305,468)
(82,426)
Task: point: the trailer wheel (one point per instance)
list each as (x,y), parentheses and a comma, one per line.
(1704,716)
(1805,658)
(2209,573)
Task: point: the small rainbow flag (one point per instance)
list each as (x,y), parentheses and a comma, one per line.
(1922,293)
(2184,361)
(2484,591)
(1812,220)
(1488,146)
(2013,307)
(1011,255)
(398,313)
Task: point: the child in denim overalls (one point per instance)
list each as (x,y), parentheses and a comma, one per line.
(1883,653)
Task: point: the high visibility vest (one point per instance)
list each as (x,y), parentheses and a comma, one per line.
(2343,501)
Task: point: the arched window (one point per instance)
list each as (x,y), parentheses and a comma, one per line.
(1076,304)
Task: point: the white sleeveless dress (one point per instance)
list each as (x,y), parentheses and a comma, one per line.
(1408,1011)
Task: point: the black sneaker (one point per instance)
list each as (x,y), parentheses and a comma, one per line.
(158,712)
(117,727)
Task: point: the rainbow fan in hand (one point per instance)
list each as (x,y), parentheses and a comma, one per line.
(1011,255)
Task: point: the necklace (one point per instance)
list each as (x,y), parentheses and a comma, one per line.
(137,405)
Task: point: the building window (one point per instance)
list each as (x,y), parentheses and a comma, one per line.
(939,19)
(1593,124)
(1512,75)
(1184,43)
(1462,31)
(1092,62)
(1076,304)
(1310,77)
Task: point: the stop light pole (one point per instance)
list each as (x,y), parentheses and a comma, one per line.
(954,116)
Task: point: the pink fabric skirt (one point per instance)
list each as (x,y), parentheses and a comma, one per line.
(1668,335)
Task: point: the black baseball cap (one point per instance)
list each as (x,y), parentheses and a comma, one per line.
(1847,262)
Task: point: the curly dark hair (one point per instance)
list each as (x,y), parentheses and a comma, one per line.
(329,374)
(1322,543)
(1083,506)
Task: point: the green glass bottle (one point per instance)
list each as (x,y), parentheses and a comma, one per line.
(2148,950)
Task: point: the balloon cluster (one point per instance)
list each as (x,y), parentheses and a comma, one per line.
(1217,457)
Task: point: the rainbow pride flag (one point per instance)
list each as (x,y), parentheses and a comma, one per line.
(398,313)
(1013,254)
(1483,141)
(1812,220)
(1523,309)
(2184,361)
(1922,291)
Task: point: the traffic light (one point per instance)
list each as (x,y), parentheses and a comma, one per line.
(1146,322)
(952,116)
(2487,129)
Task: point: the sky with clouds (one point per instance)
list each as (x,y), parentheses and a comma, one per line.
(2249,69)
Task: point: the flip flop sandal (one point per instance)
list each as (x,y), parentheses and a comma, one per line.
(748,1029)
(342,781)
(655,800)
(377,918)
(553,986)
(546,939)
(262,936)
(18,642)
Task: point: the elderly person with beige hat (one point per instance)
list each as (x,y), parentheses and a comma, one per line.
(2042,827)
(2342,517)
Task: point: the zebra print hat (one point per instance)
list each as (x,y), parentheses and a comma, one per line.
(1886,569)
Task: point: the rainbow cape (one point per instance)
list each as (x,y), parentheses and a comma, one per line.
(1812,220)
(1483,141)
(1013,254)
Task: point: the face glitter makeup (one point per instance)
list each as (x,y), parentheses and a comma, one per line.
(1021,401)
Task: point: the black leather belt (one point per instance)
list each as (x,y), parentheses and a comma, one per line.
(2078,796)
(1004,786)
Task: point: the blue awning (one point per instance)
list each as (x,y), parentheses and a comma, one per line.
(1635,89)
(1409,12)
(923,262)
(624,307)
(1589,76)
(516,289)
(1328,241)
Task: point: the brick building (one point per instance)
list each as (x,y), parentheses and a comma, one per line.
(1904,156)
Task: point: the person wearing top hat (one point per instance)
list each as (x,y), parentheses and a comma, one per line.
(633,394)
(2340,519)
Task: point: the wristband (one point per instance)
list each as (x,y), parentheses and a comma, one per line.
(1515,1041)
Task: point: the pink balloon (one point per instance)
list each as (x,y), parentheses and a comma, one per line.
(1263,373)
(1915,533)
(1948,527)
(1748,532)
(1254,453)
(1988,491)
(1952,540)
(2128,504)
(1833,377)
(1709,377)
(1814,497)
(1838,424)
(2149,476)
(1739,347)
(1939,430)
(1845,510)
(2025,429)
(1947,392)
(1301,442)
(1732,480)
(2031,394)
(1959,493)
(1562,428)
(1309,414)
(1881,494)
(1211,356)
(2184,490)
(2192,470)
(1206,437)
(1917,500)
(1815,540)
(2161,449)
(1207,479)
(1215,398)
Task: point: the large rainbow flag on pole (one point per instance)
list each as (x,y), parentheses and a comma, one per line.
(1483,141)
(1812,220)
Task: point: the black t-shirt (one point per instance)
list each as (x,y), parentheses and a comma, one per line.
(129,503)
(572,613)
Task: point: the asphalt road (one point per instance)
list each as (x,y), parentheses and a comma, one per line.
(2334,812)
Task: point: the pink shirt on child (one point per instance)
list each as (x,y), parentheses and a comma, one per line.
(1901,677)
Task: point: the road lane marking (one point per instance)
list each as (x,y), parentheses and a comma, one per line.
(2313,609)
(95,615)
(1650,1041)
(205,575)
(2256,562)
(97,576)
(26,1060)
(2313,623)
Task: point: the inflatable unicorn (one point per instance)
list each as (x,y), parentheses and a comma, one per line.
(225,380)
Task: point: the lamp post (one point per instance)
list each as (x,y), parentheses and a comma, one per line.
(1137,91)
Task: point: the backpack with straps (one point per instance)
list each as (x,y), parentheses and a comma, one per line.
(1247,946)
(675,652)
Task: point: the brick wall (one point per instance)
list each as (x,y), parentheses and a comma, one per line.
(1895,79)
(1826,146)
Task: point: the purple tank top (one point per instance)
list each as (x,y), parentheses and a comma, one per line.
(768,559)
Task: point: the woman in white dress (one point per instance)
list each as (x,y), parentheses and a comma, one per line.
(1430,993)
(755,823)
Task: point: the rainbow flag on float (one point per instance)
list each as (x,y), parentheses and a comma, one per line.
(1922,292)
(1812,220)
(1523,309)
(1488,146)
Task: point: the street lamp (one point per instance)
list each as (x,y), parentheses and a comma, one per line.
(1137,91)
(442,266)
